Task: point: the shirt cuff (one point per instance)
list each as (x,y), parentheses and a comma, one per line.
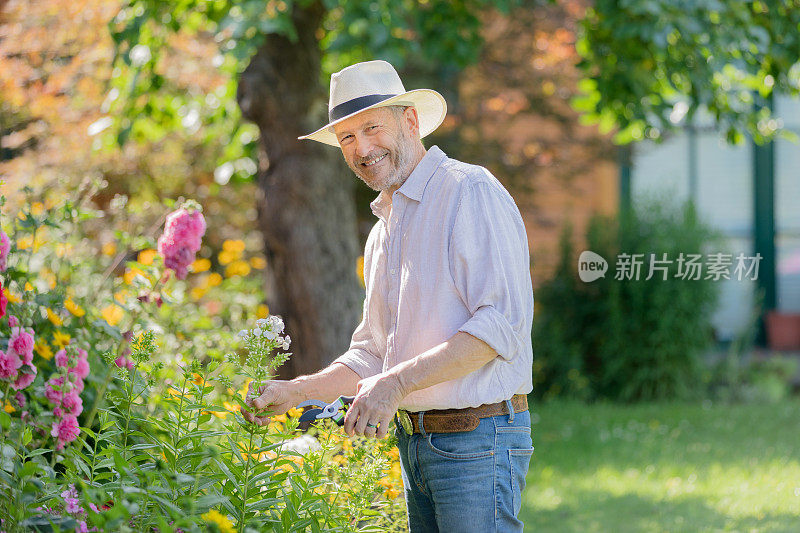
(361,362)
(493,328)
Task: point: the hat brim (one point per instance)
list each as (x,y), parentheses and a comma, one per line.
(430,105)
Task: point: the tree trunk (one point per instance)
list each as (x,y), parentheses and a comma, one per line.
(306,205)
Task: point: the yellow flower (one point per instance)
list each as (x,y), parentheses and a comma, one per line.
(121,295)
(230,406)
(280,418)
(131,273)
(201,265)
(222,522)
(109,248)
(197,379)
(54,318)
(262,311)
(28,286)
(198,292)
(25,242)
(11,297)
(220,414)
(214,279)
(113,314)
(74,308)
(294,412)
(60,339)
(360,270)
(226,257)
(236,247)
(145,257)
(394,454)
(258,262)
(237,268)
(8,408)
(37,208)
(63,249)
(391,494)
(43,349)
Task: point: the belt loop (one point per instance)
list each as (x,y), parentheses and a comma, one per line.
(510,412)
(421,427)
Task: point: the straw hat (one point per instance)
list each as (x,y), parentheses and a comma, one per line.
(376,84)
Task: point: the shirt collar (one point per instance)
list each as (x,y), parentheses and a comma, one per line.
(414,186)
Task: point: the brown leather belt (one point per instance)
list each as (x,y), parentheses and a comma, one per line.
(455,420)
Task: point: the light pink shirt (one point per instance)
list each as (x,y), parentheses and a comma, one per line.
(449,253)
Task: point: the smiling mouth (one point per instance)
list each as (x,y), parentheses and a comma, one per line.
(374,161)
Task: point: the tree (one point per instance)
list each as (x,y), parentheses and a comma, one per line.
(281,53)
(650,64)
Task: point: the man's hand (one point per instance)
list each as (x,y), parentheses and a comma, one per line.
(376,402)
(277,396)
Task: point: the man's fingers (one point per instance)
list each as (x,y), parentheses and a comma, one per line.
(266,398)
(350,419)
(383,428)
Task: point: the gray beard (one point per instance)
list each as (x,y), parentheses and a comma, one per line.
(401,160)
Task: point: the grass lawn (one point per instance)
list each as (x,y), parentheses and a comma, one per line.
(664,467)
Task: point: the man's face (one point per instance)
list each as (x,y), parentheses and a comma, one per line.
(378,147)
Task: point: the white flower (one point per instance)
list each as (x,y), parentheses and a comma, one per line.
(257,332)
(243,333)
(269,334)
(286,343)
(261,322)
(277,323)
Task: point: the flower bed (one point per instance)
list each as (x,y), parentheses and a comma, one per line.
(121,400)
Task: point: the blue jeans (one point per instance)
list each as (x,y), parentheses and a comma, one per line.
(470,481)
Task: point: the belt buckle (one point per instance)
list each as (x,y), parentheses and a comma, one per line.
(405,422)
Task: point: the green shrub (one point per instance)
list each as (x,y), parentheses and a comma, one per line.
(627,339)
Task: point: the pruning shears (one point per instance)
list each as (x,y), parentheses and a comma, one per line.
(326,410)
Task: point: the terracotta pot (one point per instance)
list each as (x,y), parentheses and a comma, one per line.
(783,330)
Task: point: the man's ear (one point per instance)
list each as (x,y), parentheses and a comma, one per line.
(412,120)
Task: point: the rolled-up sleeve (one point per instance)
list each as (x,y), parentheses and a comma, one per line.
(361,356)
(490,265)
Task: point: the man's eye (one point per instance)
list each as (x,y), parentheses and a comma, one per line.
(345,138)
(371,128)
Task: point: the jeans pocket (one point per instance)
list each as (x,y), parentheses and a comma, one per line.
(464,445)
(519,459)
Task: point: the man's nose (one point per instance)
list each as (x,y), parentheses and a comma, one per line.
(363,146)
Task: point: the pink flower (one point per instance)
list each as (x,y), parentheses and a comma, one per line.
(181,239)
(24,380)
(66,430)
(22,342)
(124,362)
(81,369)
(5,246)
(53,395)
(12,320)
(3,300)
(73,504)
(72,403)
(9,364)
(20,400)
(61,358)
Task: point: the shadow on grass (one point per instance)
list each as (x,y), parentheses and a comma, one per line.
(598,511)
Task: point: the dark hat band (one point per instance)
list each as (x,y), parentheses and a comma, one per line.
(356,104)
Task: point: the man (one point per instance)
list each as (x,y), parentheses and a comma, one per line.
(444,343)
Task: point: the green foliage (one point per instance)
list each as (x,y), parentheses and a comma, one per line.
(161,444)
(150,104)
(641,58)
(627,339)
